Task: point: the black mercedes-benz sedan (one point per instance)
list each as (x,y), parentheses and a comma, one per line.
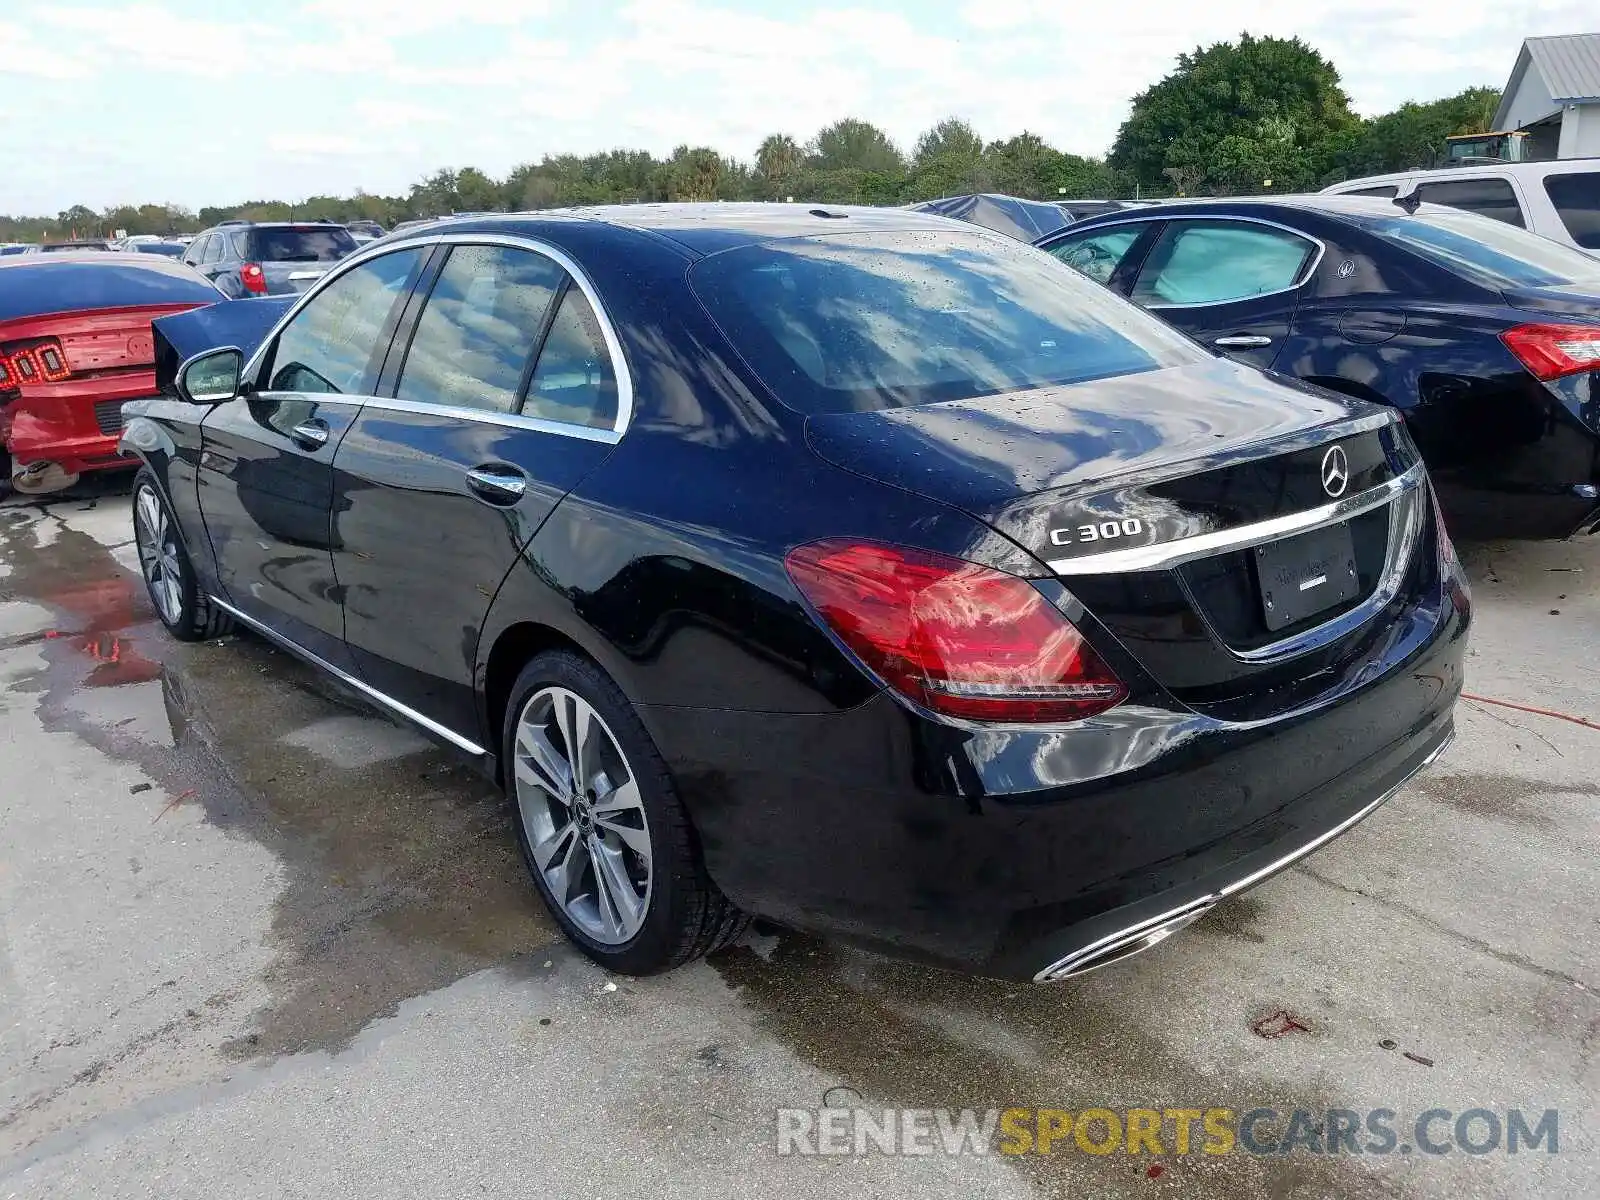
(857,569)
(1484,336)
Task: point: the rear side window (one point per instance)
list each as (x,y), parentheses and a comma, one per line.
(310,243)
(573,380)
(1098,255)
(857,322)
(479,328)
(1386,191)
(1489,253)
(213,250)
(1491,198)
(1217,262)
(1576,197)
(330,344)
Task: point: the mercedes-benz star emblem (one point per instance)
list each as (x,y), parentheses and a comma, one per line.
(1335,472)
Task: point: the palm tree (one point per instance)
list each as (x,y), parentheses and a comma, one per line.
(778,161)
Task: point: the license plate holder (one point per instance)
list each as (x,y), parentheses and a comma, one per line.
(1301,576)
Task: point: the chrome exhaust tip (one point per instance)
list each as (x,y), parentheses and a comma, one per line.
(1123,944)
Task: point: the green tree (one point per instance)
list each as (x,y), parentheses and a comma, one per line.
(1275,91)
(1413,135)
(779,160)
(856,145)
(951,140)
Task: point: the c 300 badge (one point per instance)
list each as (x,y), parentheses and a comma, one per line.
(1105,531)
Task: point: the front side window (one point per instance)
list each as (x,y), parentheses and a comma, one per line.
(331,342)
(1487,197)
(1576,197)
(574,381)
(1219,262)
(479,328)
(859,322)
(1097,255)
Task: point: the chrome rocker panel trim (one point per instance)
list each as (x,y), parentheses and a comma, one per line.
(350,681)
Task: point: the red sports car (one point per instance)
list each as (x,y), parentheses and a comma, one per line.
(75,343)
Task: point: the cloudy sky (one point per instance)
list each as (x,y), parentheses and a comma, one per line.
(216,101)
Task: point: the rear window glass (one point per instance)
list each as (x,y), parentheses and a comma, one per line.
(311,244)
(1489,252)
(1577,198)
(31,286)
(860,322)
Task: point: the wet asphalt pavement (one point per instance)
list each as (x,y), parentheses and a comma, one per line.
(256,940)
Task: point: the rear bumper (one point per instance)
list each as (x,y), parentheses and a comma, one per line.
(75,427)
(1008,851)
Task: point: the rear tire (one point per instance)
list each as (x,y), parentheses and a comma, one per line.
(169,576)
(609,845)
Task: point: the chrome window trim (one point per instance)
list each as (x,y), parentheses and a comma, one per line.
(1167,555)
(489,416)
(427,240)
(350,681)
(1301,280)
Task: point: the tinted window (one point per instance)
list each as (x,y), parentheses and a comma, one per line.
(574,380)
(859,322)
(479,328)
(1577,199)
(1213,262)
(1486,197)
(1097,255)
(1387,191)
(329,344)
(310,243)
(1489,253)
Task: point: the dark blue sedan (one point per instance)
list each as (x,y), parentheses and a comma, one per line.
(1486,337)
(859,569)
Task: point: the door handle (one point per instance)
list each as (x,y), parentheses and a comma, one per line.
(1242,341)
(498,485)
(313,435)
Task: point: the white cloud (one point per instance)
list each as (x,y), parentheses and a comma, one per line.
(322,95)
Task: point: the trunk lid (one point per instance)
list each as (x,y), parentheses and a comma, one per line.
(1236,532)
(1580,301)
(243,324)
(291,278)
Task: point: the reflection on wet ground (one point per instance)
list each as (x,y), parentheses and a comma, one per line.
(401,872)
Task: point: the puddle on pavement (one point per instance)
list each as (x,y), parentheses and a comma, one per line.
(400,875)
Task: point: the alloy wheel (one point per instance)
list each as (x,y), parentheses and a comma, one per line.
(158,554)
(582,815)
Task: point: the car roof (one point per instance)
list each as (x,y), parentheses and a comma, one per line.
(1328,205)
(1546,167)
(707,227)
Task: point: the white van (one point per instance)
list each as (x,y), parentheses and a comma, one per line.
(1560,200)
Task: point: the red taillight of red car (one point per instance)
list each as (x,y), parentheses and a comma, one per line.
(37,361)
(955,637)
(1552,351)
(253,279)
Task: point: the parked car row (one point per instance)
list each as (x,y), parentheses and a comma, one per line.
(1010,556)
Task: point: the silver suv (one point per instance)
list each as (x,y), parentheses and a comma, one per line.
(1560,200)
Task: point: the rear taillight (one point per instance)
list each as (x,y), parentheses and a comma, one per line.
(254,281)
(39,360)
(1551,351)
(955,637)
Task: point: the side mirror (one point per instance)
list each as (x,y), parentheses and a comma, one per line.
(212,377)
